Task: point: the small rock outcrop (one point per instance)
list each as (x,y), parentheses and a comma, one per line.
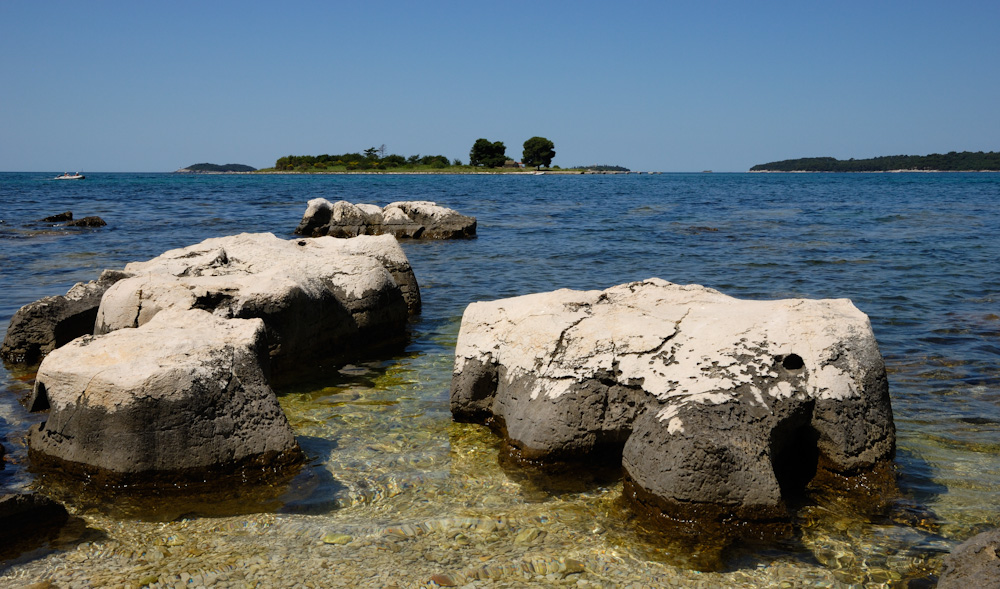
(973,563)
(317,297)
(92,221)
(185,392)
(42,326)
(711,401)
(412,219)
(59,218)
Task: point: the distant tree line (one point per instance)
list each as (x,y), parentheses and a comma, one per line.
(603,168)
(966,161)
(538,151)
(372,159)
(220,168)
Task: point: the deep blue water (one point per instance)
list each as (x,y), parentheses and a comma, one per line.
(917,252)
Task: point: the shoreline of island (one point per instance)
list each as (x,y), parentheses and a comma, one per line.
(497,172)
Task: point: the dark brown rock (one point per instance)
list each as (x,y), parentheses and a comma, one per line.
(22,513)
(87,222)
(60,218)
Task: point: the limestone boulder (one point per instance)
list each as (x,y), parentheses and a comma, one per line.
(405,219)
(974,563)
(317,297)
(42,326)
(711,400)
(185,393)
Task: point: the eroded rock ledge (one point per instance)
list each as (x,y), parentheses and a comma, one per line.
(410,219)
(716,404)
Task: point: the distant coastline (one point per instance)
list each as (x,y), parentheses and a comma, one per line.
(965,161)
(217,169)
(445,172)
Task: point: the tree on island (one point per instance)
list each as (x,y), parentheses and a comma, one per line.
(485,153)
(538,152)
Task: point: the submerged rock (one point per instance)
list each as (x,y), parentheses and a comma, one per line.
(411,219)
(973,563)
(184,393)
(91,221)
(42,326)
(712,401)
(27,520)
(59,218)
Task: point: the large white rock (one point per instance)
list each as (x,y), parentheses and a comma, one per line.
(317,297)
(714,400)
(184,393)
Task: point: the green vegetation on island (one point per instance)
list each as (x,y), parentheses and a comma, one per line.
(538,152)
(218,168)
(604,168)
(965,161)
(373,159)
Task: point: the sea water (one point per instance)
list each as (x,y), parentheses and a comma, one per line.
(917,252)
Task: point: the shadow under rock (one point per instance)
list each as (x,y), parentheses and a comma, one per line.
(314,490)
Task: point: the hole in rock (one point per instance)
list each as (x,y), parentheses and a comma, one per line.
(792,362)
(794,457)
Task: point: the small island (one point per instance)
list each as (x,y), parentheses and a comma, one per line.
(966,161)
(216,169)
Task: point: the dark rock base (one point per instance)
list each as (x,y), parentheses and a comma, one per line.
(251,486)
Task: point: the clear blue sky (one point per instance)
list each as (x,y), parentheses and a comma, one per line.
(666,86)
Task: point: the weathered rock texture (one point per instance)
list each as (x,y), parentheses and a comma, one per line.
(714,401)
(187,391)
(413,219)
(42,326)
(317,297)
(974,563)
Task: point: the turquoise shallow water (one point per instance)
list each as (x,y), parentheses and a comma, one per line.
(917,252)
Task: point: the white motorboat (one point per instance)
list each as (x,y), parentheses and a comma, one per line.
(68,176)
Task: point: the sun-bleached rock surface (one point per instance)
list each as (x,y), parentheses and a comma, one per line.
(407,219)
(317,297)
(185,392)
(711,400)
(42,326)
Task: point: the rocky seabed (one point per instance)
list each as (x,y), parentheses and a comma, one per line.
(313,551)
